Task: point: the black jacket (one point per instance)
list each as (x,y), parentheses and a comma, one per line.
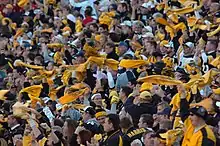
(132,134)
(112,55)
(111,139)
(137,110)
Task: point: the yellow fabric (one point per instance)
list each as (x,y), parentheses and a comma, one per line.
(145,95)
(168,61)
(6,21)
(177,123)
(23,3)
(151,59)
(70,97)
(49,30)
(195,139)
(47,73)
(164,42)
(174,18)
(98,38)
(180,26)
(67,28)
(100,114)
(206,79)
(171,136)
(136,45)
(160,36)
(79,106)
(58,58)
(2,94)
(183,10)
(78,26)
(42,141)
(170,31)
(161,80)
(113,64)
(53,92)
(27,140)
(207,104)
(216,62)
(19,32)
(20,110)
(192,21)
(126,63)
(212,33)
(20,63)
(33,92)
(106,18)
(90,51)
(66,76)
(120,141)
(115,99)
(55,45)
(216,91)
(163,22)
(176,101)
(98,137)
(146,87)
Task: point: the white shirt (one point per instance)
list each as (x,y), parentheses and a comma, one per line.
(83,6)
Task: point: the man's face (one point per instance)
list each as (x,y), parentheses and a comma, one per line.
(108,49)
(121,8)
(101,120)
(194,119)
(11,121)
(125,29)
(85,116)
(141,124)
(101,30)
(122,50)
(210,47)
(187,50)
(177,75)
(107,125)
(121,94)
(159,108)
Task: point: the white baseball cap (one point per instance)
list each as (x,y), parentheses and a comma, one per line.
(148,35)
(126,23)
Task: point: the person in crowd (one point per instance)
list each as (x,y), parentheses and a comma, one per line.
(110,73)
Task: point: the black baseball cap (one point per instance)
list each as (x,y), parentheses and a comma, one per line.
(199,111)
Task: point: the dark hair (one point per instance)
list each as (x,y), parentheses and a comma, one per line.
(148,119)
(31,56)
(114,119)
(88,12)
(58,122)
(124,5)
(110,44)
(95,25)
(62,141)
(71,123)
(104,26)
(85,135)
(127,90)
(125,123)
